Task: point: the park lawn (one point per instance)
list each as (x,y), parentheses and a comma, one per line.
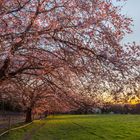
(80,127)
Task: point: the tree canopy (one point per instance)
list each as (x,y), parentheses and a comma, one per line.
(71,47)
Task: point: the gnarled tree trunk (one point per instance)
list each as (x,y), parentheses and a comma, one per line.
(28,115)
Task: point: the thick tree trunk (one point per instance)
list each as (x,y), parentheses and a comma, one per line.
(28,115)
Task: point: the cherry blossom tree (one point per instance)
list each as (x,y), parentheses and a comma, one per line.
(73,31)
(75,45)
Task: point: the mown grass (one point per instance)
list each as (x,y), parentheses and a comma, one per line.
(81,127)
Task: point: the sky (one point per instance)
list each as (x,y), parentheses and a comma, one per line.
(132,9)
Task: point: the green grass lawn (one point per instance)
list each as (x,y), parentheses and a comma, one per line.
(80,127)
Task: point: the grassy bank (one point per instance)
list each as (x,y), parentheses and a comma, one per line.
(80,127)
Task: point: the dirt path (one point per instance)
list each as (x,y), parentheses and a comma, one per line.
(30,133)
